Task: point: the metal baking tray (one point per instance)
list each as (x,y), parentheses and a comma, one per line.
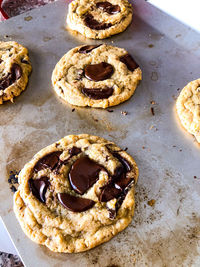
(164,234)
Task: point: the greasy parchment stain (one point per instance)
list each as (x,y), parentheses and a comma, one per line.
(22,151)
(11,110)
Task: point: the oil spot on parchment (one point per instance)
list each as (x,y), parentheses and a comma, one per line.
(11,110)
(46,38)
(25,149)
(154,76)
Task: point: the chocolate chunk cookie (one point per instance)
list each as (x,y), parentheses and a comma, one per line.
(188,108)
(96,76)
(76,193)
(15,68)
(99,19)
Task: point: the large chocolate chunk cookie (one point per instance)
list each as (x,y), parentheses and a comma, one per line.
(15,68)
(76,193)
(96,76)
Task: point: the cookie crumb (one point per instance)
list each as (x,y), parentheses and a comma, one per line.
(150,45)
(151,202)
(28,18)
(13,189)
(152,102)
(178,211)
(13,177)
(152,111)
(124,113)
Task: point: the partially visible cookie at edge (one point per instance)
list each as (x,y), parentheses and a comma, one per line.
(15,68)
(188,108)
(99,19)
(76,193)
(96,76)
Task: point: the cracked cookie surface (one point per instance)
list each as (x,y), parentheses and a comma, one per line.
(96,76)
(188,108)
(76,193)
(15,68)
(99,19)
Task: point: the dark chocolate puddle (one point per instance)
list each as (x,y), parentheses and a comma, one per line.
(75,204)
(98,72)
(83,174)
(87,48)
(94,24)
(129,62)
(98,93)
(13,76)
(38,187)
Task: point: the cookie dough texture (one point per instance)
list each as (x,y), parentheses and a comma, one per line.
(79,9)
(15,68)
(58,228)
(68,77)
(188,108)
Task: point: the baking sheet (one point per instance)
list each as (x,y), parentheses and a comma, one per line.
(166,234)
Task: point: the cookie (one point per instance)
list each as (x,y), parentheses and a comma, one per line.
(99,19)
(15,68)
(76,193)
(96,76)
(188,108)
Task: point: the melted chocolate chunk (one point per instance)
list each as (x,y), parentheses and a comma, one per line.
(112,213)
(94,24)
(122,183)
(129,62)
(118,184)
(109,192)
(76,204)
(39,187)
(123,161)
(16,71)
(98,72)
(74,151)
(87,48)
(49,161)
(98,93)
(24,61)
(83,174)
(108,7)
(14,75)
